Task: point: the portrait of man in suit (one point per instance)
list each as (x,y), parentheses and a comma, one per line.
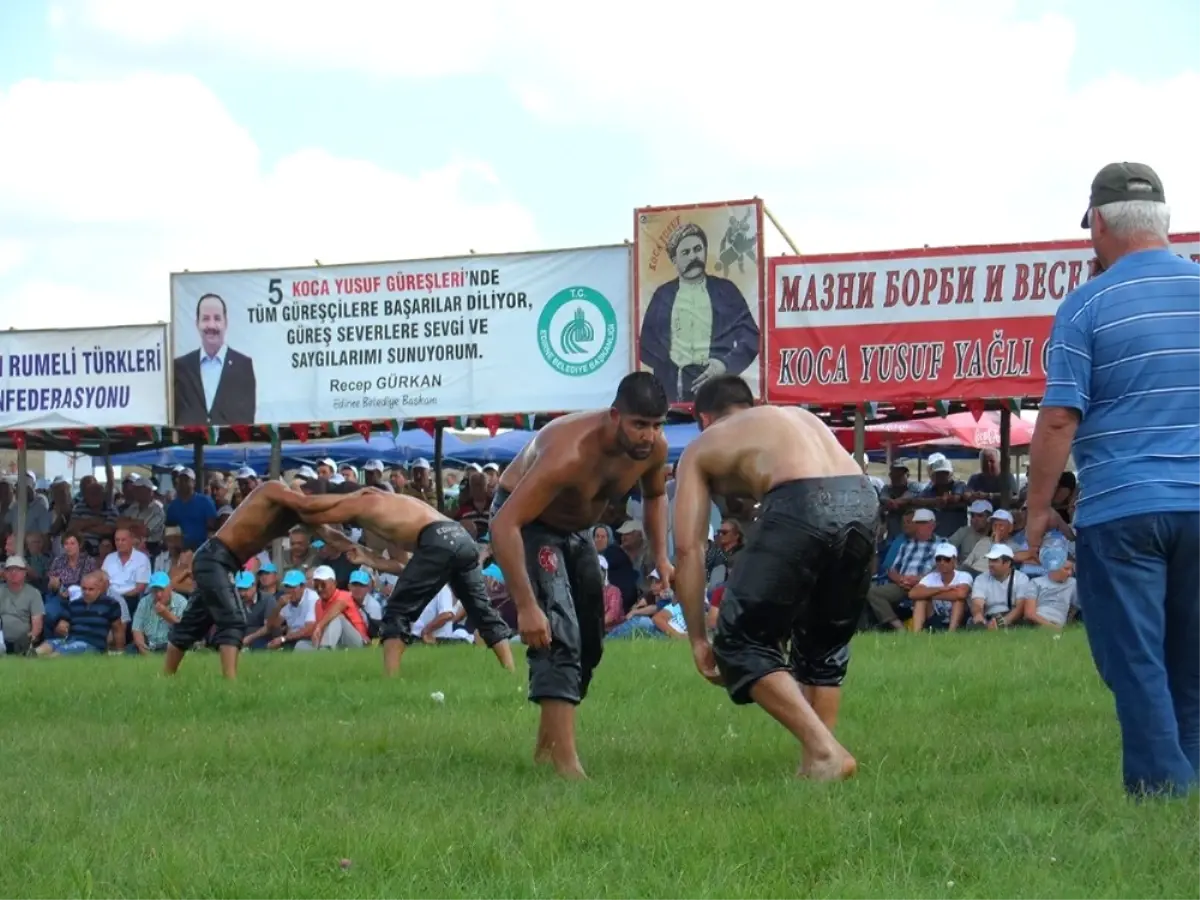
(697,326)
(214,385)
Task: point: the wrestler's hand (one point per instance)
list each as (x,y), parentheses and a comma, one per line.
(706,663)
(534,628)
(666,572)
(357,556)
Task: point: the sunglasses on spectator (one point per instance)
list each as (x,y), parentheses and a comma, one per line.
(943,559)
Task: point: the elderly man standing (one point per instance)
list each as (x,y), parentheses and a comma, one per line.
(1121,393)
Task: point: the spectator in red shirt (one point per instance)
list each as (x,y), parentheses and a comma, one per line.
(339,620)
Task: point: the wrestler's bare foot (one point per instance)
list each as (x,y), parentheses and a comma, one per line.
(838,766)
(503,651)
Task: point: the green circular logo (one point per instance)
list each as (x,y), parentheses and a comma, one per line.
(577,331)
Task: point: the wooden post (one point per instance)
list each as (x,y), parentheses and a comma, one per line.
(438,436)
(23,489)
(1006,497)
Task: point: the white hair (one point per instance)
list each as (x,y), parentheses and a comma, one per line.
(1130,218)
(989,453)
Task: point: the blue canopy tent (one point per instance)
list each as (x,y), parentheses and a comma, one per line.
(393,451)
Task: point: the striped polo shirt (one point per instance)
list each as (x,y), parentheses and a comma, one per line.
(1125,352)
(91,622)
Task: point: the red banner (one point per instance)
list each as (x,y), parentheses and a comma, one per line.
(946,323)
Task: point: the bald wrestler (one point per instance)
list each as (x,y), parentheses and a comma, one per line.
(803,575)
(442,552)
(268,513)
(545,506)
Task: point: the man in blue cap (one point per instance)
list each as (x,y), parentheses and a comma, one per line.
(261,613)
(155,615)
(368,602)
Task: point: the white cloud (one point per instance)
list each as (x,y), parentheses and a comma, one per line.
(116,184)
(866,124)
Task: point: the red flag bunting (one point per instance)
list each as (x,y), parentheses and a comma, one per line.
(976,408)
(242,432)
(363,427)
(906,409)
(300,430)
(492,424)
(18,439)
(429,426)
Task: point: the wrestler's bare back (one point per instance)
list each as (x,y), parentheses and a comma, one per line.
(267,513)
(752,451)
(572,445)
(397,518)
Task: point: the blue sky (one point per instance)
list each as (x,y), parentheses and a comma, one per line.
(154,136)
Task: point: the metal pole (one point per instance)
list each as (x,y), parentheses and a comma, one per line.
(198,464)
(779,228)
(438,434)
(1006,497)
(860,438)
(23,489)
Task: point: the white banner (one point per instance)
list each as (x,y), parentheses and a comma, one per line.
(83,378)
(534,332)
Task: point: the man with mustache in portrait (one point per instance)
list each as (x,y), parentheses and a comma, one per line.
(697,326)
(215,384)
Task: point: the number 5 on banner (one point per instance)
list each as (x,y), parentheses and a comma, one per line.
(274,292)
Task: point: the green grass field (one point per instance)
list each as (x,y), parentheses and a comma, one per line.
(989,767)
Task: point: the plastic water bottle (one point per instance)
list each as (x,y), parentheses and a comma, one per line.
(1053,554)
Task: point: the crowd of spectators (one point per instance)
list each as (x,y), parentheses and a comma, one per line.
(109,568)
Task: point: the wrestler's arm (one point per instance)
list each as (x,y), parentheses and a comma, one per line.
(335,509)
(360,555)
(542,482)
(654,504)
(693,505)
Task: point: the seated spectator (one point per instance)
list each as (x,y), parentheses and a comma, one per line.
(1001,528)
(128,570)
(976,529)
(940,598)
(614,609)
(891,549)
(475,504)
(262,614)
(601,538)
(1057,600)
(367,601)
(670,621)
(37,508)
(946,494)
(144,516)
(22,614)
(339,620)
(718,560)
(639,619)
(92,619)
(38,560)
(439,620)
(93,518)
(156,614)
(1000,595)
(331,556)
(913,562)
(268,581)
(298,613)
(300,552)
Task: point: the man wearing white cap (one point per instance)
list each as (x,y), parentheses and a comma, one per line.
(421,484)
(940,598)
(999,595)
(21,610)
(946,495)
(373,475)
(492,471)
(1000,525)
(247,480)
(195,514)
(976,529)
(326,467)
(913,562)
(340,623)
